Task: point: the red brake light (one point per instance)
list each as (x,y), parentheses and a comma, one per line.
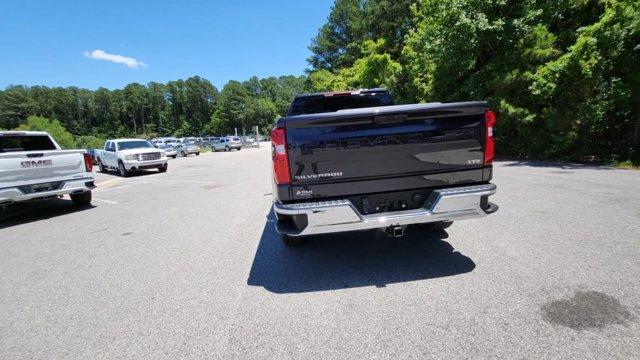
(490,143)
(88,162)
(280,158)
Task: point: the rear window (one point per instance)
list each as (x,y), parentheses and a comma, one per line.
(26,143)
(321,104)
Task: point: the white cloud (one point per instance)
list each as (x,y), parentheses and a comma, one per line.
(118,59)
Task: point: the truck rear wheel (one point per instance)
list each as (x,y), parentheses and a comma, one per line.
(292,240)
(82,199)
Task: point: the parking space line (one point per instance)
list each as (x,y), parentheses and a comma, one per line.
(106,201)
(109,183)
(180,180)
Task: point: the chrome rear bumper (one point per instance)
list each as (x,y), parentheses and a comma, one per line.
(323,217)
(73,186)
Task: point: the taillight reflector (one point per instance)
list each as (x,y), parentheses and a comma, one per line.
(490,142)
(88,162)
(279,155)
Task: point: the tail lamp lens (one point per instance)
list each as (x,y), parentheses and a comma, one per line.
(280,158)
(490,142)
(88,162)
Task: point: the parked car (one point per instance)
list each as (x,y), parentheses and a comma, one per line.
(354,161)
(168,140)
(171,142)
(227,144)
(209,140)
(187,140)
(169,150)
(33,167)
(126,155)
(185,148)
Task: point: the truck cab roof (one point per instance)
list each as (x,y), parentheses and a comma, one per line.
(23,133)
(345,92)
(327,102)
(120,140)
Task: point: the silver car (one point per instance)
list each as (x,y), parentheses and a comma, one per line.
(169,150)
(186,148)
(227,144)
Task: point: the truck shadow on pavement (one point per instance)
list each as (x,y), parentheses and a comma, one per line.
(332,262)
(23,213)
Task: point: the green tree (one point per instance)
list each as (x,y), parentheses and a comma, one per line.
(14,106)
(232,105)
(36,123)
(564,88)
(135,107)
(281,90)
(157,108)
(325,80)
(89,142)
(261,113)
(374,69)
(336,44)
(200,98)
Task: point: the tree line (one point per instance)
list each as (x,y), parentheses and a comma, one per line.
(563,75)
(190,107)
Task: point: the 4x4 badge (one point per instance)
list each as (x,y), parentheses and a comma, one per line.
(304,193)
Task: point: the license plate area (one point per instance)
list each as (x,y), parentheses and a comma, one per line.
(39,188)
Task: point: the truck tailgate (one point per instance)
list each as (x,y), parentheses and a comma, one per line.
(385,142)
(28,167)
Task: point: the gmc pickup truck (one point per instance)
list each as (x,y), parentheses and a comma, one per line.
(347,161)
(33,167)
(127,155)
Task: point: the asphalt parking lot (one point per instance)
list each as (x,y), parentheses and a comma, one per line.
(187,265)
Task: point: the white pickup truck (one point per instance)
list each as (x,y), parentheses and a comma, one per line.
(33,167)
(126,155)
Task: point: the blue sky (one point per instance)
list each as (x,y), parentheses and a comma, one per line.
(42,42)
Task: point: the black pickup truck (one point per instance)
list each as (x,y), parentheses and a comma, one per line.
(346,161)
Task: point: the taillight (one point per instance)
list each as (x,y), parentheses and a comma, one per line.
(88,162)
(490,142)
(280,158)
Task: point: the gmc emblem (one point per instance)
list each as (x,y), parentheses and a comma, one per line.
(36,163)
